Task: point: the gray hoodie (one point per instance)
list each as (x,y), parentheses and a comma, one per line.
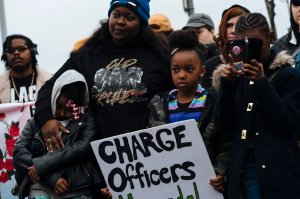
(68,77)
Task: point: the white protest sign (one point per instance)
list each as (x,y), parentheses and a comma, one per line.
(164,162)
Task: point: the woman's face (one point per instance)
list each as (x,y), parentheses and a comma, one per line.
(296,14)
(230,28)
(124,25)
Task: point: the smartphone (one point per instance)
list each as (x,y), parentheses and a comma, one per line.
(243,50)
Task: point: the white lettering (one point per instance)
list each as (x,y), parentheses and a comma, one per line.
(23,95)
(13,96)
(32,93)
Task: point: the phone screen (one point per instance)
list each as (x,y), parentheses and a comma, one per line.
(237,49)
(254,49)
(244,50)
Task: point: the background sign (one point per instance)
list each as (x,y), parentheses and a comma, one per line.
(13,117)
(164,162)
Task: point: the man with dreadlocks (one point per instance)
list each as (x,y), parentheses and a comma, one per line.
(22,78)
(260,106)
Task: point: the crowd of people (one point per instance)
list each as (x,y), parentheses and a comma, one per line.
(136,72)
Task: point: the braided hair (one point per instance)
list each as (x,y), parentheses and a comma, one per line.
(252,21)
(186,40)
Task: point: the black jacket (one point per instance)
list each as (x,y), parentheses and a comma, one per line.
(218,143)
(284,43)
(75,162)
(121,80)
(265,115)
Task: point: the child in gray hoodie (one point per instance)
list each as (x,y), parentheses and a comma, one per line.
(69,172)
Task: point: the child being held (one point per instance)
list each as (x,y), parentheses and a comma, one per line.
(70,172)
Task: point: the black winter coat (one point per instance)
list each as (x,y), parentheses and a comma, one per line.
(267,115)
(75,162)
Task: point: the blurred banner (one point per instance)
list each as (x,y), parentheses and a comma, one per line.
(13,117)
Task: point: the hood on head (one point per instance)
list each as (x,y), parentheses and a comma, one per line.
(68,77)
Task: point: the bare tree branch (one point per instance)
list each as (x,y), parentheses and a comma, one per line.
(271,12)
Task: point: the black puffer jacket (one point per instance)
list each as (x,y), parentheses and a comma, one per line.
(75,162)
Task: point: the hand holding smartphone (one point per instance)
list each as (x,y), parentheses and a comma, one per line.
(243,50)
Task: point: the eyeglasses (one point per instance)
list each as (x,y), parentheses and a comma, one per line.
(20,49)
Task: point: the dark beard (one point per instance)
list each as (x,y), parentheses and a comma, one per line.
(20,68)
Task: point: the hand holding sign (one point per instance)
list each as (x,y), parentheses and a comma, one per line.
(168,161)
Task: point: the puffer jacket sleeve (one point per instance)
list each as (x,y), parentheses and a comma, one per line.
(223,143)
(22,158)
(157,111)
(71,154)
(217,141)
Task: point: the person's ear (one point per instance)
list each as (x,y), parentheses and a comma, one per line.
(272,37)
(203,70)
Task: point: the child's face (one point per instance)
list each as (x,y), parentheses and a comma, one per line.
(186,69)
(62,111)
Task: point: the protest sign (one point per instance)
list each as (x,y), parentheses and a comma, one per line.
(13,117)
(164,162)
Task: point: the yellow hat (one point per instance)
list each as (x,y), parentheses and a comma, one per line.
(78,44)
(160,23)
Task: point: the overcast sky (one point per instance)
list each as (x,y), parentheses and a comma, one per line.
(56,24)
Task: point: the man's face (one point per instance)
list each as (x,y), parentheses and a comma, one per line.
(18,56)
(205,36)
(265,49)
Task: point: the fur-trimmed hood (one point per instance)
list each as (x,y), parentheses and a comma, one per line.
(42,77)
(281,59)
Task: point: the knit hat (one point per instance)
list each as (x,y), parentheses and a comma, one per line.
(295,2)
(160,23)
(198,20)
(141,7)
(236,6)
